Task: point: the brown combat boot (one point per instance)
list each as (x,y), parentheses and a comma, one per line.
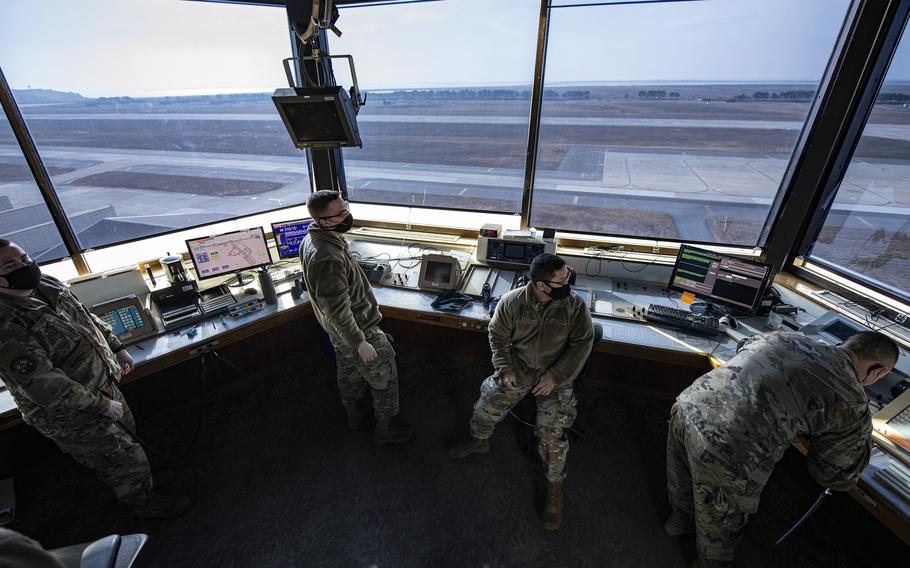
(701,563)
(552,512)
(472,446)
(162,507)
(389,433)
(679,524)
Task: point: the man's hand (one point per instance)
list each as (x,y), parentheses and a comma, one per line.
(544,386)
(367,352)
(509,379)
(126,361)
(114,410)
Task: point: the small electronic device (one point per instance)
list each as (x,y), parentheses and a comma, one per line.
(128,318)
(832,328)
(683,319)
(493,230)
(288,236)
(216,300)
(439,272)
(246,308)
(318,117)
(720,279)
(234,252)
(178,305)
(373,270)
(172,264)
(511,252)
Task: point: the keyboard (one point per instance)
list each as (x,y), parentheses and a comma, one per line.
(897,477)
(900,428)
(683,319)
(285,275)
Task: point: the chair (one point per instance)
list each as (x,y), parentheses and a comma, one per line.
(112,551)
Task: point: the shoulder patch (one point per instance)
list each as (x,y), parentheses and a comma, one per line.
(23,365)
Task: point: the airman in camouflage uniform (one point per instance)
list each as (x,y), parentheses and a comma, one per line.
(729,428)
(346,308)
(540,336)
(61,364)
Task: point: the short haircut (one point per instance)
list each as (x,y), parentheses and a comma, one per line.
(4,243)
(873,345)
(319,201)
(544,266)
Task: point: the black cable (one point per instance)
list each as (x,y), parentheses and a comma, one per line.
(193,437)
(818,503)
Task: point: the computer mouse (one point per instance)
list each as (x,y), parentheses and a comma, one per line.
(729,320)
(250,291)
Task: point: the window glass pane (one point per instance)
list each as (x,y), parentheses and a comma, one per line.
(449,99)
(676,120)
(154,115)
(866,231)
(24,218)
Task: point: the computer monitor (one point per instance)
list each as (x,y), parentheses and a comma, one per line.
(318,117)
(229,253)
(289,235)
(718,278)
(439,272)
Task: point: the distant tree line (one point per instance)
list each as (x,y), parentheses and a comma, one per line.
(892,98)
(781,96)
(477,94)
(210,99)
(657,94)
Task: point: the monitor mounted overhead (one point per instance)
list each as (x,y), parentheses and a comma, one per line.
(721,279)
(318,117)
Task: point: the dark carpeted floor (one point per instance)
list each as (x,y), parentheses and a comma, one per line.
(277,480)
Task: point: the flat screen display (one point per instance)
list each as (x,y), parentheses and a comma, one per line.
(289,235)
(439,271)
(229,253)
(720,278)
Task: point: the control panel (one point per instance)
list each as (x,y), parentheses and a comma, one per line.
(512,252)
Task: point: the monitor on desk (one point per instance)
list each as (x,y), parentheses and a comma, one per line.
(439,272)
(289,235)
(719,278)
(229,253)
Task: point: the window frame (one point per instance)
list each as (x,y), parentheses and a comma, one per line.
(802,253)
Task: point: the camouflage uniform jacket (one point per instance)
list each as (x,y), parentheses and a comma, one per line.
(533,338)
(340,292)
(781,387)
(55,355)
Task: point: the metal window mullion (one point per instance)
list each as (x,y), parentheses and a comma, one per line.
(832,130)
(893,33)
(39,172)
(534,119)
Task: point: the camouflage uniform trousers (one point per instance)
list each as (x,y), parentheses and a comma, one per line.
(699,486)
(356,378)
(96,442)
(555,413)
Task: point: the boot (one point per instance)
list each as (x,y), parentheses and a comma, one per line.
(388,433)
(679,524)
(472,446)
(552,512)
(701,563)
(159,506)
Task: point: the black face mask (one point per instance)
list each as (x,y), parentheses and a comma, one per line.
(25,278)
(344,226)
(559,293)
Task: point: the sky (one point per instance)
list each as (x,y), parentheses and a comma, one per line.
(174,47)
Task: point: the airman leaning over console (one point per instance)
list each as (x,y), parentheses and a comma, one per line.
(541,336)
(729,428)
(61,364)
(345,306)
